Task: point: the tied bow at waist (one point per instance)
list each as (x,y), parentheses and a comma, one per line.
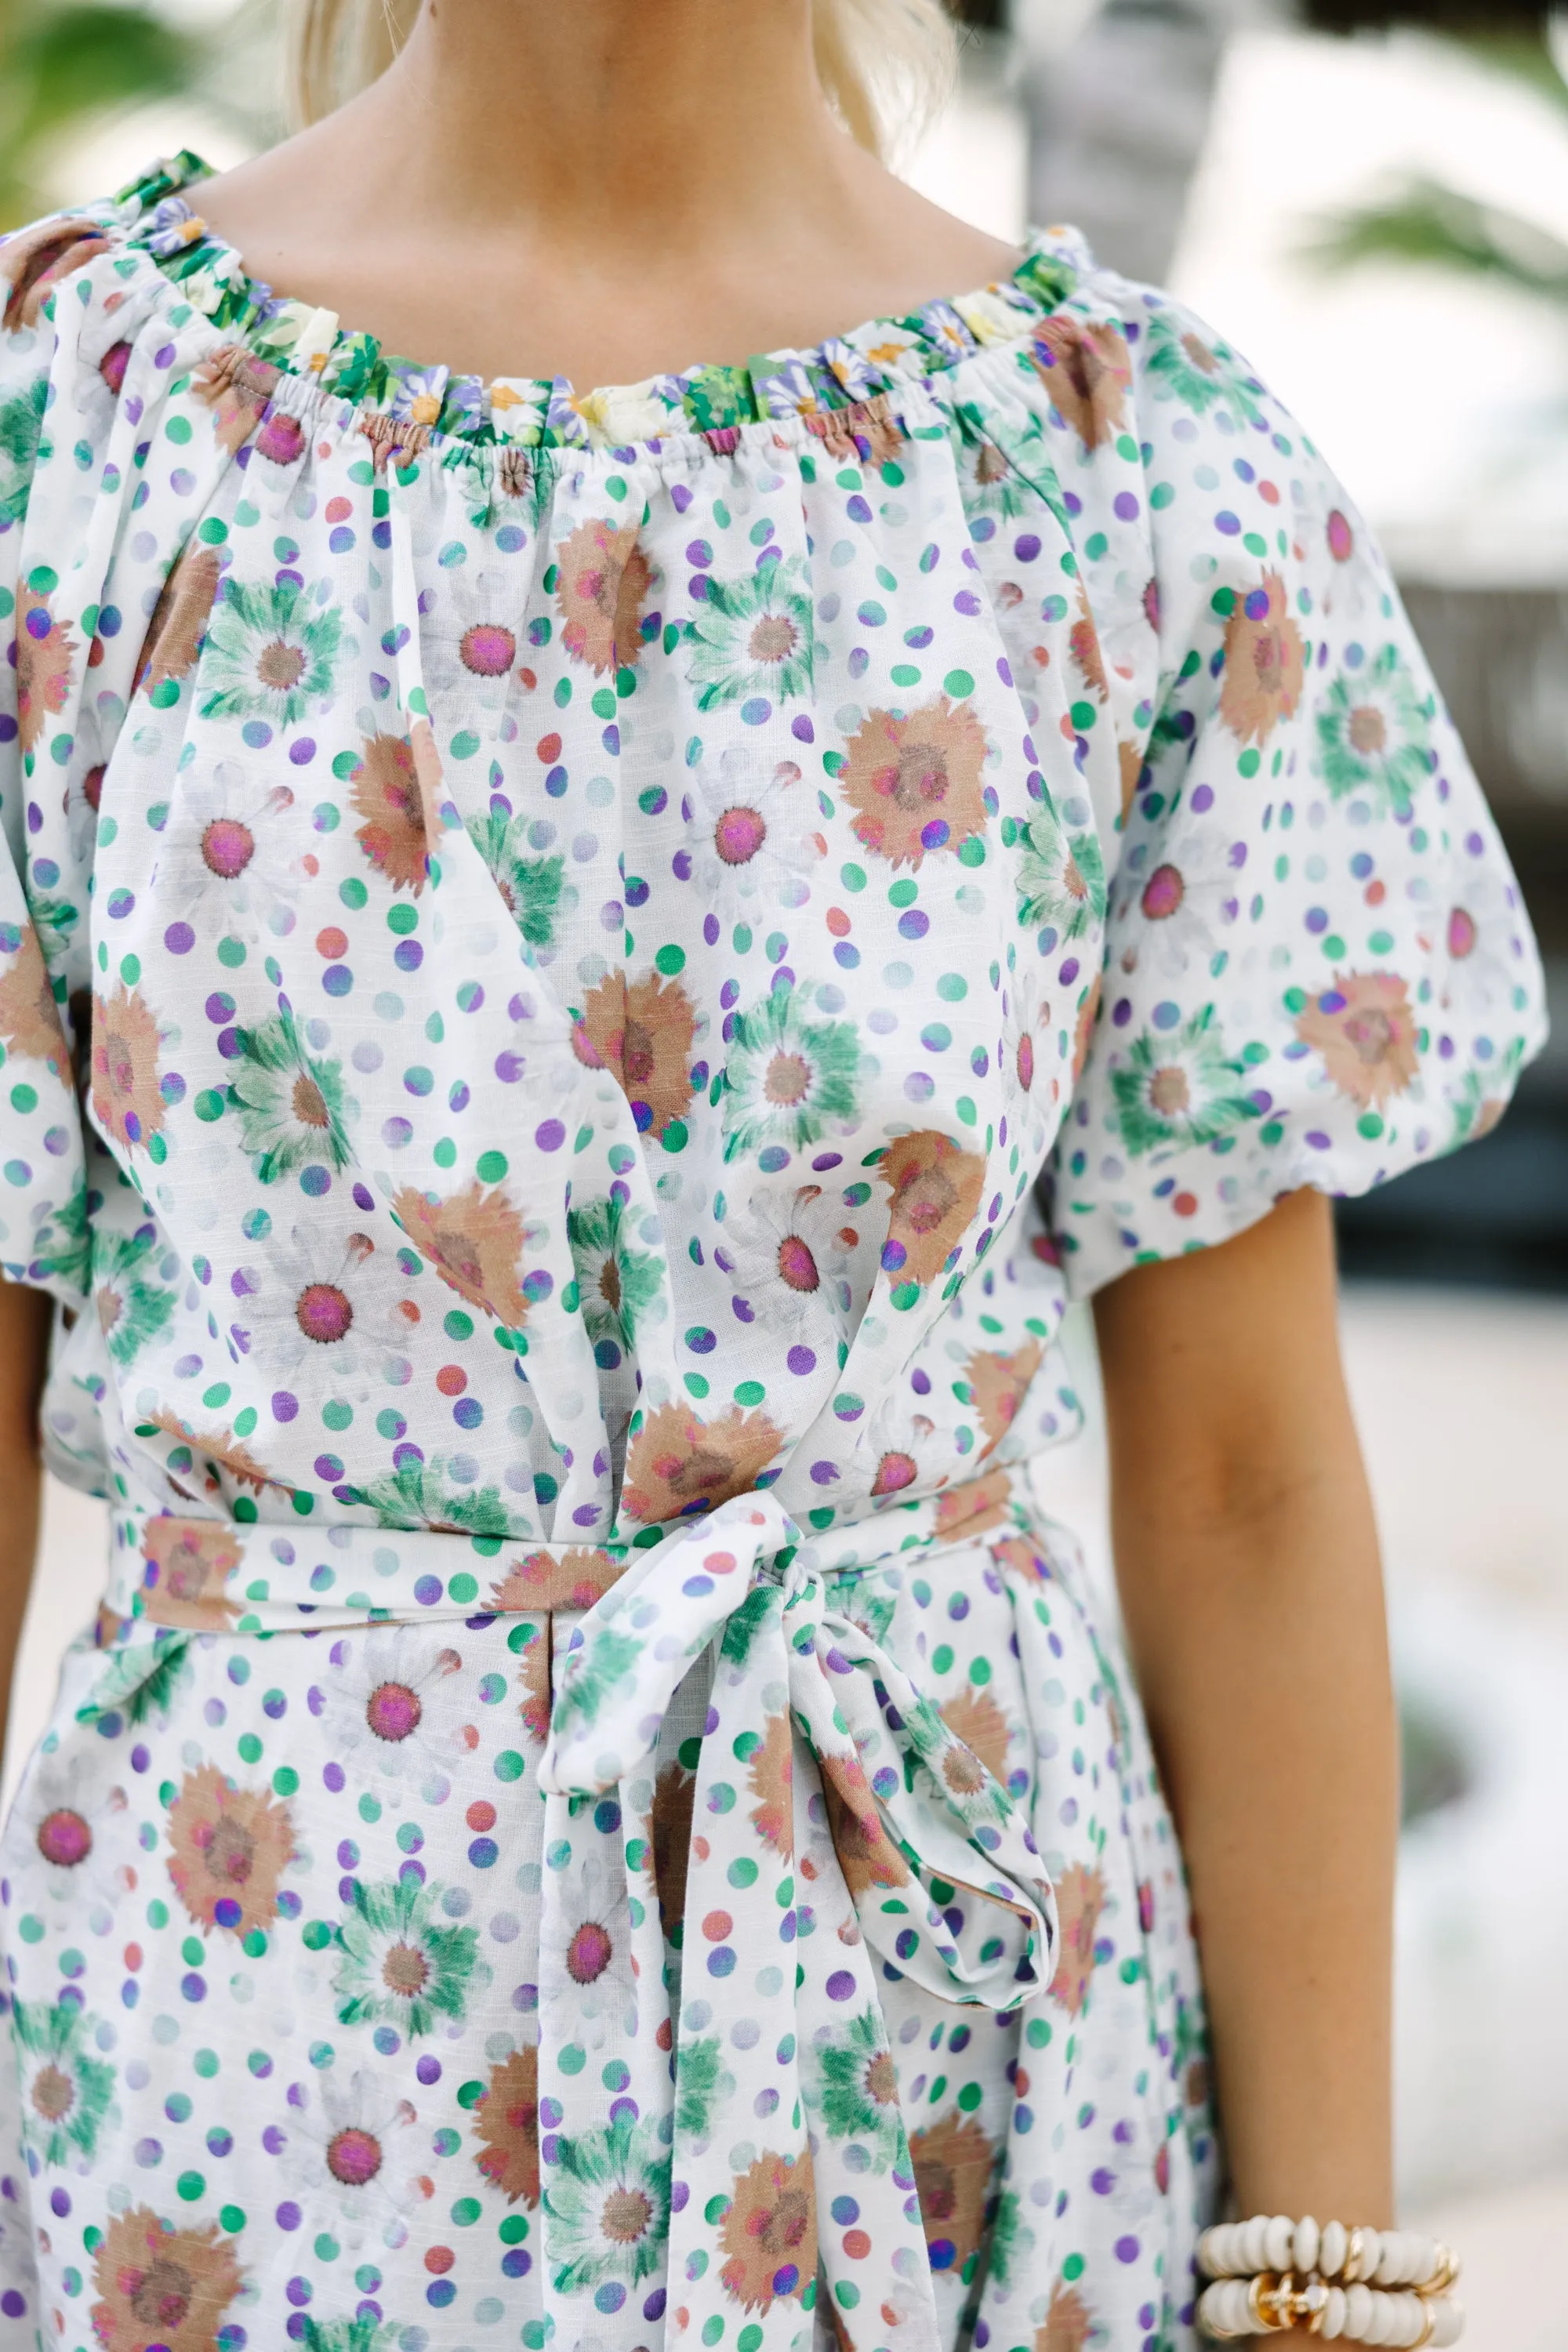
(945,1877)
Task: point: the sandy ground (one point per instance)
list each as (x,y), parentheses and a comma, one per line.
(1462,1402)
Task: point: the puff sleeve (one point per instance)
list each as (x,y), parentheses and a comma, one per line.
(1319,970)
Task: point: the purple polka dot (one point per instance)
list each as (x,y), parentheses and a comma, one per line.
(840,1985)
(179,939)
(1126,2249)
(550,1136)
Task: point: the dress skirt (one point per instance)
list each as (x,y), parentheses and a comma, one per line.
(335,2026)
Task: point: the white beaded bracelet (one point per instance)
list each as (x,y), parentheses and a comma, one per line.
(1273,2275)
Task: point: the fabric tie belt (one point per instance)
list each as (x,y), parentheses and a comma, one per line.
(834,1834)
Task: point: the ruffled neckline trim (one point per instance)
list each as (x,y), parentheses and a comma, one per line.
(154,215)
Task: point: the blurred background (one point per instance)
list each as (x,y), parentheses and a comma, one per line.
(1372,201)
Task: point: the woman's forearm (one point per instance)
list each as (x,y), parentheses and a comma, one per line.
(23,1346)
(1248,1566)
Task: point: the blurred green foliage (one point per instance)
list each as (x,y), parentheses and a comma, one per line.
(1427,221)
(64,64)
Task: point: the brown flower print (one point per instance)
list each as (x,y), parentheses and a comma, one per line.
(179,621)
(392,788)
(229,1848)
(127,1100)
(867,1855)
(935,1186)
(1086,371)
(29,1020)
(1088,660)
(235,388)
(771,1774)
(953,2162)
(975,1505)
(602,585)
(915,783)
(998,1384)
(537,1683)
(45,651)
(474,1240)
(1265,662)
(189,1562)
(508,2125)
(1081,1899)
(33,262)
(768,2237)
(677,1464)
(541,1580)
(220,1448)
(1067,2325)
(669,1842)
(1364,1028)
(641,1032)
(1129,759)
(161,2285)
(979,1723)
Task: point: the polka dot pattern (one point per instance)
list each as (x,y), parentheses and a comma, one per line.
(622,952)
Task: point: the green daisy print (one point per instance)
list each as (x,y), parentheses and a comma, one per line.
(67,2095)
(270,652)
(362,2335)
(606,2208)
(63,1242)
(1199,374)
(21,425)
(788,1078)
(1375,733)
(594,1673)
(399,1965)
(133,1309)
(618,1284)
(1180,1087)
(857,2088)
(420,1494)
(293,1112)
(1060,879)
(752,637)
(702,2082)
(531,886)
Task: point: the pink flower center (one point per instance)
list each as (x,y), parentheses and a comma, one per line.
(739,834)
(65,1838)
(353,2157)
(227,848)
(1462,933)
(1163,893)
(1025,1061)
(323,1312)
(394,1711)
(92,785)
(488,649)
(894,1472)
(797,1267)
(589,1953)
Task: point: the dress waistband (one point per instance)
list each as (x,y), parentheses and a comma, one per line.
(170,1570)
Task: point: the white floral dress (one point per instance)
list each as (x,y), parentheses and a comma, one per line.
(581,978)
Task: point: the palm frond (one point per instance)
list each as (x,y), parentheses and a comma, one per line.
(1439,226)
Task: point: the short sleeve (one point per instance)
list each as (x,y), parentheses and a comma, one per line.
(44,1235)
(1319,970)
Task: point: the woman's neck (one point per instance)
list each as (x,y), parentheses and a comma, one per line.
(595,189)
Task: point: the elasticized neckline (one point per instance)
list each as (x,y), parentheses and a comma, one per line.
(156,216)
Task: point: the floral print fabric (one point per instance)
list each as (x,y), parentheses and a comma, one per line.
(582,977)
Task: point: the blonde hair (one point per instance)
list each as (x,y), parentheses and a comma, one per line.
(886,66)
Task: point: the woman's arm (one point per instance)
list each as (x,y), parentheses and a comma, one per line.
(23,1346)
(1248,1568)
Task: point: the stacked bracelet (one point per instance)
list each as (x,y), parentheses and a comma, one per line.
(1272,2276)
